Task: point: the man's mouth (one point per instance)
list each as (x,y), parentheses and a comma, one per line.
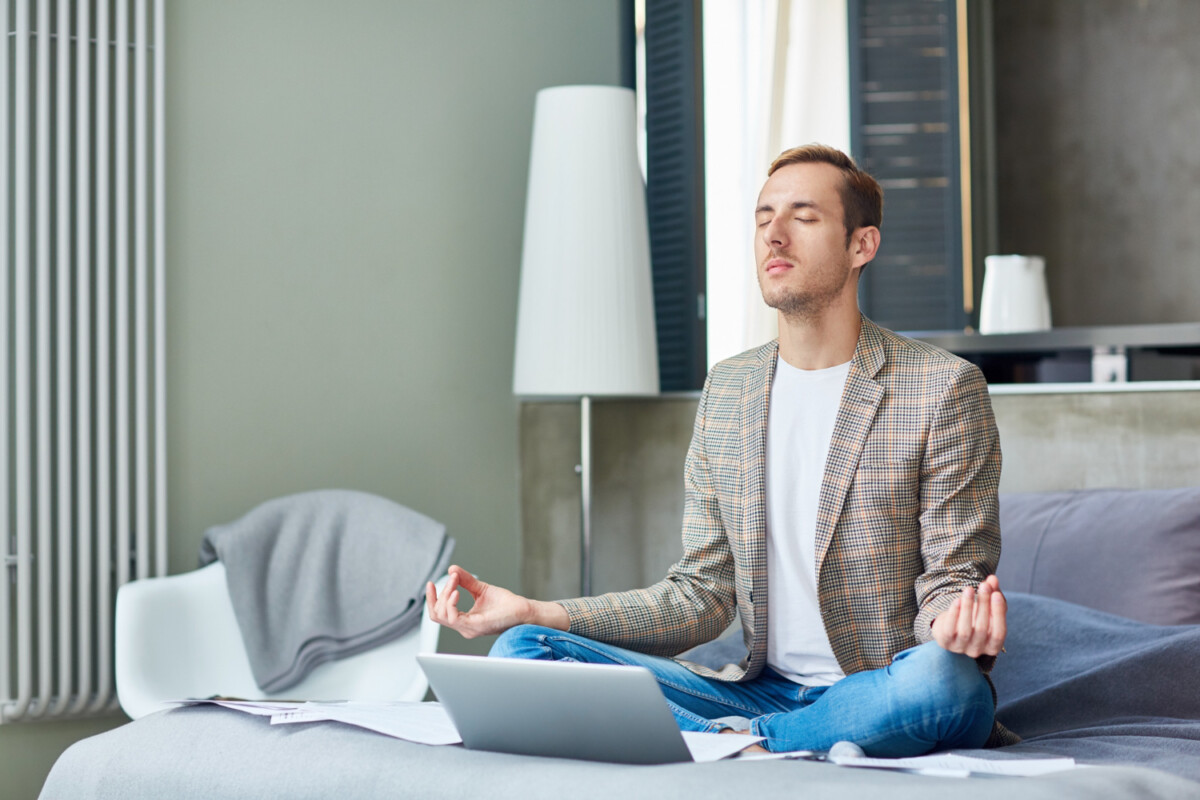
(777,265)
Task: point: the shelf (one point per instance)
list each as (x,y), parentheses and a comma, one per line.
(1170,335)
(1097,354)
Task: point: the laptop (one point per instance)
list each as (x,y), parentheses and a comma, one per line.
(595,712)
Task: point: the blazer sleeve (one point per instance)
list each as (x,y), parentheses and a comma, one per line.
(694,603)
(960,478)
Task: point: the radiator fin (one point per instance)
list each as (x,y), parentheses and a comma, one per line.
(82,426)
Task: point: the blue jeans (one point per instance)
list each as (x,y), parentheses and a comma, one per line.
(927,699)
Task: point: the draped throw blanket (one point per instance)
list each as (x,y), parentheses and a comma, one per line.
(324,575)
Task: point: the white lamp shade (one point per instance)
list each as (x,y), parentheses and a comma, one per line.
(585,320)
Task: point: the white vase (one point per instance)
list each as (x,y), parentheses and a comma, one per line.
(1014,295)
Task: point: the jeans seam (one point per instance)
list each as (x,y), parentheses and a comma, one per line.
(943,715)
(911,729)
(666,682)
(708,724)
(757,723)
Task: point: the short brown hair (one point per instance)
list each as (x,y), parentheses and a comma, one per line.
(862,196)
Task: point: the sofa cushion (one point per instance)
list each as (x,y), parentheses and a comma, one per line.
(1135,553)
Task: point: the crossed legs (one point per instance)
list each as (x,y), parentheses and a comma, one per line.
(927,699)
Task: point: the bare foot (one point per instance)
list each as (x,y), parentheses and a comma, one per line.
(754,748)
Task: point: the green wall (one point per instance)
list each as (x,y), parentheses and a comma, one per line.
(345,197)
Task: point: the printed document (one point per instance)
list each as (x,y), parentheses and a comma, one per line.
(951,765)
(425,723)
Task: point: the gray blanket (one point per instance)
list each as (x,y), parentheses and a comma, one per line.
(1075,682)
(206,753)
(1082,683)
(324,575)
(1101,688)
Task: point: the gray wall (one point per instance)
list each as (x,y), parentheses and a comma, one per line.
(1135,438)
(638,448)
(346,186)
(1098,157)
(1051,441)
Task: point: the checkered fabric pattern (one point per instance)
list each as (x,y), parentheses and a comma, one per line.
(907,514)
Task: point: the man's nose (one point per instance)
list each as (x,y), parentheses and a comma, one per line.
(774,234)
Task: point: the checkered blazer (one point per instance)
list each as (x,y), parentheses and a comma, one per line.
(907,514)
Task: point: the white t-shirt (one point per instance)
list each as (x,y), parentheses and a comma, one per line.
(800,421)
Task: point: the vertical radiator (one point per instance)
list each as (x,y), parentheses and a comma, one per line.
(82,481)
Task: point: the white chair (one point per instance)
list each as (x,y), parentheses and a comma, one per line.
(177,637)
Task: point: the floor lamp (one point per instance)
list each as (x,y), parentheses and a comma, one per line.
(585,320)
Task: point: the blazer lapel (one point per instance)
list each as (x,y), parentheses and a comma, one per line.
(860,401)
(756,395)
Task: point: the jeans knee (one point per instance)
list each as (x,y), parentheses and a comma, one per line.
(945,681)
(522,641)
(947,693)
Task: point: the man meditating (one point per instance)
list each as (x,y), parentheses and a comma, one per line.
(840,496)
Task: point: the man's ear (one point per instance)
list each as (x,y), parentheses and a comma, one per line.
(864,244)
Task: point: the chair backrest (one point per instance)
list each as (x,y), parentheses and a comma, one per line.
(177,637)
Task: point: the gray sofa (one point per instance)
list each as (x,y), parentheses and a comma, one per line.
(1104,590)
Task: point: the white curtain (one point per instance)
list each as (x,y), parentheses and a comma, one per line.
(776,75)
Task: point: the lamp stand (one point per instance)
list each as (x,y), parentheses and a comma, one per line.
(585,480)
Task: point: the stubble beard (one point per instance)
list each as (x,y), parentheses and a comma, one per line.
(799,304)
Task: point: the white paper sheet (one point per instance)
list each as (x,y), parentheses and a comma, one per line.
(715,746)
(951,765)
(427,723)
(794,755)
(261,708)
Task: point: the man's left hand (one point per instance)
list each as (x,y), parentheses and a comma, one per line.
(974,623)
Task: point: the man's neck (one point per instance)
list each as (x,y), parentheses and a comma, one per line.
(820,342)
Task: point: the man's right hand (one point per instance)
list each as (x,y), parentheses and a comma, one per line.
(495,610)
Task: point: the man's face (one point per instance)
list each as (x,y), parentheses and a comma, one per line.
(800,246)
